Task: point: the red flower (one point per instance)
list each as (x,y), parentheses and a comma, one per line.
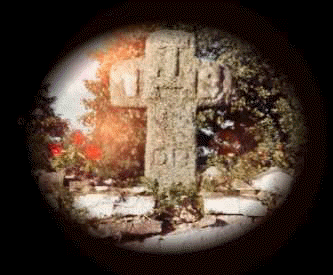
(78,138)
(93,152)
(56,149)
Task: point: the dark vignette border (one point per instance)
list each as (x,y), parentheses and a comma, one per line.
(51,34)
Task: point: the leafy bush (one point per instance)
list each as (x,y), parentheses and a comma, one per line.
(173,196)
(76,152)
(41,125)
(152,186)
(38,152)
(261,93)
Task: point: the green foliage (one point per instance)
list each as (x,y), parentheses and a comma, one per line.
(293,123)
(248,165)
(206,117)
(74,155)
(38,152)
(151,185)
(71,157)
(173,196)
(265,95)
(209,185)
(40,126)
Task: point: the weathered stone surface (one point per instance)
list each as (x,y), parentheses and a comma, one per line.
(216,176)
(206,221)
(235,206)
(171,83)
(138,189)
(109,181)
(244,189)
(126,83)
(146,226)
(102,188)
(135,206)
(250,207)
(212,173)
(248,193)
(100,205)
(240,185)
(274,183)
(228,205)
(87,188)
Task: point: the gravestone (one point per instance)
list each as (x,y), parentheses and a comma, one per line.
(171,83)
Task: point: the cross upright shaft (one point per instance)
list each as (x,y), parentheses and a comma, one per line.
(171,83)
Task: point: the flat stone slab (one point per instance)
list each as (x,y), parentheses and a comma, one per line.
(235,206)
(138,189)
(100,205)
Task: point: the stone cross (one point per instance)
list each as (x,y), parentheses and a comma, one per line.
(171,83)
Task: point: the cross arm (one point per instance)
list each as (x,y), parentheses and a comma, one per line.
(214,84)
(126,85)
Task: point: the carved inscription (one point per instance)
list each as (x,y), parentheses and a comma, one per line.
(160,157)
